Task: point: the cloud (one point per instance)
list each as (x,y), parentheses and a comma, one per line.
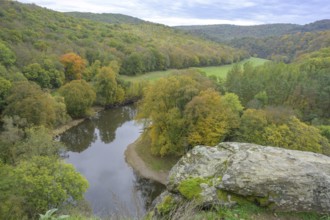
(179,12)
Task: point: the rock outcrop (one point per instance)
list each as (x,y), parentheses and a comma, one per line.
(231,173)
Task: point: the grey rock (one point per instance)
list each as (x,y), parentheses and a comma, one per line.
(286,180)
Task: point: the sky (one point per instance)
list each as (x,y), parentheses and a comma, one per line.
(201,12)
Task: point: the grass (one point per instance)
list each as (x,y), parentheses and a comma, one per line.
(246,212)
(219,71)
(151,76)
(154,162)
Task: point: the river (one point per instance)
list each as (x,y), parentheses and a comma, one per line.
(96,148)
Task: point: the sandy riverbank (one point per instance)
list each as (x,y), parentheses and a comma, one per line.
(133,159)
(67,126)
(60,130)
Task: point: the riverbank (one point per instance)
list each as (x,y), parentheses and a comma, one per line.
(60,130)
(138,164)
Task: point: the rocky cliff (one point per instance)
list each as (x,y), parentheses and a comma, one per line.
(231,173)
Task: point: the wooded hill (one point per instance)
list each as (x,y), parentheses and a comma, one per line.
(34,34)
(107,17)
(279,42)
(227,32)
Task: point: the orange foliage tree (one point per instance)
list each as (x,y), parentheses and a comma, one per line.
(74,65)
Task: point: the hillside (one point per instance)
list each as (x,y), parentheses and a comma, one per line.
(279,42)
(34,34)
(224,32)
(286,47)
(107,17)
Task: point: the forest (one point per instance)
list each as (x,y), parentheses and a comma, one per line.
(278,42)
(55,67)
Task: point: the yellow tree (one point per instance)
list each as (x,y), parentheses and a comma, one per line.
(184,110)
(276,127)
(163,103)
(211,117)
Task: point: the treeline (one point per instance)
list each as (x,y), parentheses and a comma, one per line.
(277,104)
(303,85)
(107,17)
(225,32)
(278,42)
(285,48)
(38,35)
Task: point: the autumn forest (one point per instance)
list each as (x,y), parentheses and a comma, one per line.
(57,67)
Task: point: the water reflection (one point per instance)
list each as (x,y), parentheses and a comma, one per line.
(110,120)
(97,149)
(148,189)
(78,138)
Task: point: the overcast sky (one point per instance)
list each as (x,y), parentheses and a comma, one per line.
(194,12)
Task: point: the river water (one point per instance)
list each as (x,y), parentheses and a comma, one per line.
(96,148)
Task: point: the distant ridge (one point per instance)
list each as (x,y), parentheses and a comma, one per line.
(107,17)
(225,32)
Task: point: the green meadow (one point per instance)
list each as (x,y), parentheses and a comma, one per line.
(218,71)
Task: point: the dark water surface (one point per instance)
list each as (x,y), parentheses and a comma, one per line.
(96,148)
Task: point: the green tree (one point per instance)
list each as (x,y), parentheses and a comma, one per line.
(91,71)
(5,86)
(132,65)
(28,101)
(37,141)
(11,204)
(78,97)
(34,72)
(46,182)
(19,141)
(7,57)
(108,91)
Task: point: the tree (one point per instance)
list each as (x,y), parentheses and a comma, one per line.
(34,72)
(277,127)
(78,97)
(211,117)
(5,86)
(28,101)
(179,108)
(7,57)
(132,65)
(74,66)
(46,182)
(12,133)
(37,141)
(20,141)
(11,204)
(108,91)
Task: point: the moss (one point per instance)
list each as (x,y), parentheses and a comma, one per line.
(171,181)
(263,201)
(149,215)
(190,188)
(222,195)
(166,205)
(242,200)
